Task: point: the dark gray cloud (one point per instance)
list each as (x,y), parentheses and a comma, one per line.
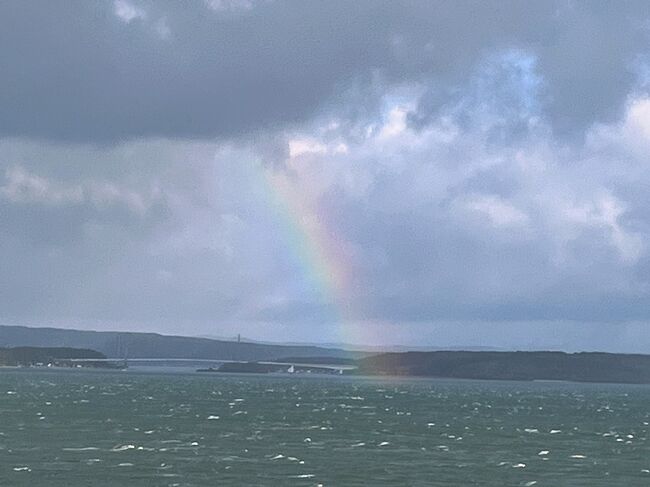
(107,71)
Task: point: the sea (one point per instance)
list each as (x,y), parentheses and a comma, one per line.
(173,428)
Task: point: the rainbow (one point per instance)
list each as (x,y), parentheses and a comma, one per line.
(320,253)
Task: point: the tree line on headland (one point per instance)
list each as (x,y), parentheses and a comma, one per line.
(560,366)
(31,356)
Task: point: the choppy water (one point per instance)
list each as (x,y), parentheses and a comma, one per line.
(71,428)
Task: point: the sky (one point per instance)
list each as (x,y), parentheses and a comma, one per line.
(372,172)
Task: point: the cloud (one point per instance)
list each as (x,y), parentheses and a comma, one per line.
(128,12)
(300,168)
(22,187)
(282,63)
(434,225)
(230,5)
(499,212)
(452,222)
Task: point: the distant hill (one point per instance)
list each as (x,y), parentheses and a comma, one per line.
(578,367)
(153,345)
(369,349)
(44,355)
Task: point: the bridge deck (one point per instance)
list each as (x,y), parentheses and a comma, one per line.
(215,361)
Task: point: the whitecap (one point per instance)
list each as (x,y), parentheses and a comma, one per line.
(384,443)
(578,456)
(211,417)
(22,469)
(123,448)
(543,453)
(277,457)
(519,465)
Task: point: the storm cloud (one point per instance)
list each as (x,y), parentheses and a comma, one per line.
(478,170)
(118,70)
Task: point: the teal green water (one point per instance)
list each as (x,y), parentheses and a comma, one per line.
(86,428)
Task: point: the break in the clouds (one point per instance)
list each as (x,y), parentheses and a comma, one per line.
(447,173)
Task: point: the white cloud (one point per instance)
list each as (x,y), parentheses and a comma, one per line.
(395,124)
(637,120)
(230,5)
(23,187)
(301,146)
(128,12)
(499,212)
(566,196)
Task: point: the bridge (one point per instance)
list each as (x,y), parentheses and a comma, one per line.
(205,361)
